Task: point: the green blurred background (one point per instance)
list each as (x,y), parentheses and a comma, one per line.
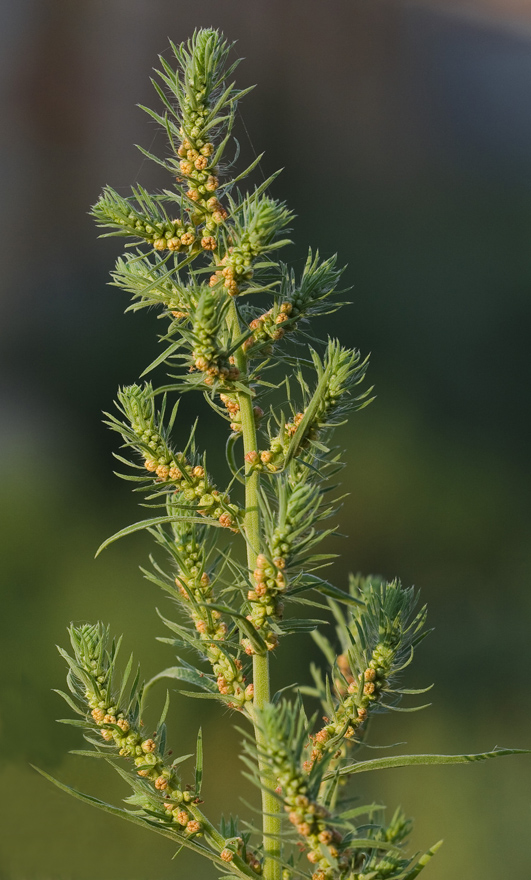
(405,133)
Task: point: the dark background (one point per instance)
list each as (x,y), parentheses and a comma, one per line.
(405,134)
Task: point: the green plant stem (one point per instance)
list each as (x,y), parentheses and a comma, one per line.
(270,804)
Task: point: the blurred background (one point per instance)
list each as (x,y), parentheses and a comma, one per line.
(405,133)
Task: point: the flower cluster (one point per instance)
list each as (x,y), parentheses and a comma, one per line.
(92,674)
(151,284)
(202,181)
(297,300)
(255,225)
(234,268)
(201,97)
(268,327)
(232,406)
(143,431)
(293,511)
(144,217)
(377,642)
(272,459)
(208,355)
(338,373)
(314,824)
(325,845)
(309,295)
(353,710)
(235,847)
(264,600)
(390,862)
(195,590)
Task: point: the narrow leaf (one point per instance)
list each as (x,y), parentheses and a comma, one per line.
(130,817)
(156,521)
(87,753)
(70,702)
(199,762)
(192,676)
(418,760)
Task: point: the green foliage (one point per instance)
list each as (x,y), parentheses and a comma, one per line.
(237,329)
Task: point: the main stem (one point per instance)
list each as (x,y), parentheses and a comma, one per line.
(270,804)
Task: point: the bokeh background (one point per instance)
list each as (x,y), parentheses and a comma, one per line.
(405,133)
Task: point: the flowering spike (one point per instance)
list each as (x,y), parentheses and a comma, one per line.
(234,323)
